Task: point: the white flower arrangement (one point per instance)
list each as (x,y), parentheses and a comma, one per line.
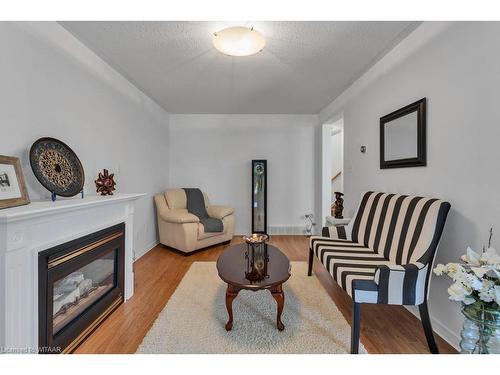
(477,279)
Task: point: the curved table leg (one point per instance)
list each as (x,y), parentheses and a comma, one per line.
(279,296)
(231,293)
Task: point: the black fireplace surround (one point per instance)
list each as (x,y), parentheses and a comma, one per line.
(79,284)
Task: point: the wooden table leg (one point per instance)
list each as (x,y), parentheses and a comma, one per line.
(279,296)
(231,293)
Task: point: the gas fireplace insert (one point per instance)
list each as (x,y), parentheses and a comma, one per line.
(80,283)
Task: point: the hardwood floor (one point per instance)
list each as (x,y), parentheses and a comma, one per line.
(384,329)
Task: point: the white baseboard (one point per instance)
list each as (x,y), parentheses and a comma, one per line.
(289,230)
(446,334)
(145,249)
(284,230)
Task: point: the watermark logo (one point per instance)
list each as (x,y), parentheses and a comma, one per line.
(30,350)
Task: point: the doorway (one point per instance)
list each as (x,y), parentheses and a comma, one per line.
(332,164)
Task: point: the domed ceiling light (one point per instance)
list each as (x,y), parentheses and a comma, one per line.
(238,41)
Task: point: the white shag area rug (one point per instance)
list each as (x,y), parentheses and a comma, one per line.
(193,319)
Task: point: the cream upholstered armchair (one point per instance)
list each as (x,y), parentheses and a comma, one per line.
(182,230)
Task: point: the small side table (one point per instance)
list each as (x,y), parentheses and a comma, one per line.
(332,221)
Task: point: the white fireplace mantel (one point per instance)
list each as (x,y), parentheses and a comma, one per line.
(27,230)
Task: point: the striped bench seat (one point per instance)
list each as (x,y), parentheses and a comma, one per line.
(385,254)
(350,263)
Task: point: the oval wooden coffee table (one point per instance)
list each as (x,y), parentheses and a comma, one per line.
(231,266)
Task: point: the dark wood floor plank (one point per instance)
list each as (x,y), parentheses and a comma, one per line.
(384,329)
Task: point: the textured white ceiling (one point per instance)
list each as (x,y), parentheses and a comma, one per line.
(304,66)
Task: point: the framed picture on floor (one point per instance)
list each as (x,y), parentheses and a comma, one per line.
(12,186)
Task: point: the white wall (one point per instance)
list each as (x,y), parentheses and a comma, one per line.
(457,67)
(214,152)
(52,85)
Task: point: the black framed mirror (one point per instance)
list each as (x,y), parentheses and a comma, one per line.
(403,137)
(259,196)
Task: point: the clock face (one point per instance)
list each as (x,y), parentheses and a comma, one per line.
(57,167)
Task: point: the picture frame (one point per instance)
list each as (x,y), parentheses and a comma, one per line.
(13,190)
(403,137)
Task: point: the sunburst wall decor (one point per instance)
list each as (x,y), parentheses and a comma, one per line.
(105,183)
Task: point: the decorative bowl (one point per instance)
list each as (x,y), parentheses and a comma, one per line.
(256,238)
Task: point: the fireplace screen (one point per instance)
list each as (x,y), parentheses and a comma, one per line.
(73,293)
(80,284)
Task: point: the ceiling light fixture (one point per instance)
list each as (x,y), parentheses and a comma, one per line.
(238,41)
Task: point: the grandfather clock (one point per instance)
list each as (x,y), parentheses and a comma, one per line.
(259,196)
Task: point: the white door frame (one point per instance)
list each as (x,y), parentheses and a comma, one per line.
(326,166)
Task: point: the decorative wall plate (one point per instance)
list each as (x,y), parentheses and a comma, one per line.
(57,167)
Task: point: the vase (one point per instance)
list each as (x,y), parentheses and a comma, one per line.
(481,330)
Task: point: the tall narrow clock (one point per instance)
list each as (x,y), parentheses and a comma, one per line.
(259,196)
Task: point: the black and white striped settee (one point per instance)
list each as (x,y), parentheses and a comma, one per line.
(385,254)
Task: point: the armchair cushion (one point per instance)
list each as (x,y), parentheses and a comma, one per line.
(176,199)
(196,205)
(202,234)
(219,212)
(178,217)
